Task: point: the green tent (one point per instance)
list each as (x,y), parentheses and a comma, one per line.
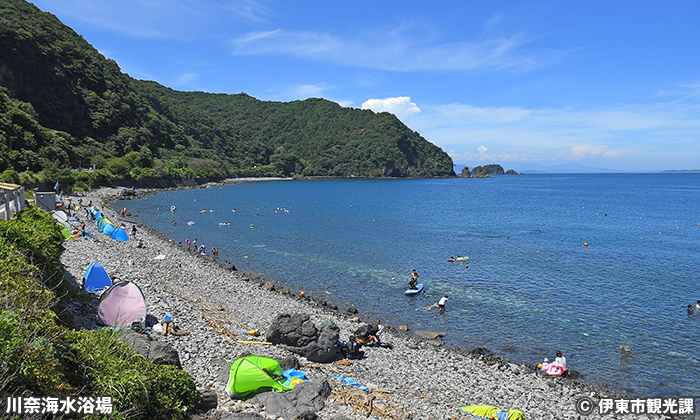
(66,233)
(252,373)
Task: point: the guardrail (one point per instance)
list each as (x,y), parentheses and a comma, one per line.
(11,200)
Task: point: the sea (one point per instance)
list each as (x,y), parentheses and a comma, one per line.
(599,266)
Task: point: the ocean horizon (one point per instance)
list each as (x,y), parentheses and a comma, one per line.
(599,266)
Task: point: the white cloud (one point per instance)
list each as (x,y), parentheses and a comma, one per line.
(157,18)
(186,78)
(308,91)
(401,106)
(394,49)
(578,152)
(624,137)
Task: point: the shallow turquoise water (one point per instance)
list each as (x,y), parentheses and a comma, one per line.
(525,294)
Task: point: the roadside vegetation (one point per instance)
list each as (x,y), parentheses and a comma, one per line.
(41,356)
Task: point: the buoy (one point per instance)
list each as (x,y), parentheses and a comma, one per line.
(585,244)
(466,266)
(302,293)
(393,278)
(538,252)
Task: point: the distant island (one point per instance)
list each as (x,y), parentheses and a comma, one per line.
(681,171)
(486,171)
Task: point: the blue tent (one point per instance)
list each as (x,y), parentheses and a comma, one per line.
(103,223)
(96,278)
(98,215)
(120,235)
(109,230)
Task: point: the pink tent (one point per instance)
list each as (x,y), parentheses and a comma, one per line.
(121,304)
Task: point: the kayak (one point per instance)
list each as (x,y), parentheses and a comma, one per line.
(411,292)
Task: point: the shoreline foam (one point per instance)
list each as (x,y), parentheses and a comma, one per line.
(218,305)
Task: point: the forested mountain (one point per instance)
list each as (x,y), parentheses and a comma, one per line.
(64,106)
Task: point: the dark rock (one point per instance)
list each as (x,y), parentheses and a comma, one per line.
(478,351)
(306,397)
(298,332)
(352,310)
(333,306)
(209,401)
(290,362)
(466,173)
(157,352)
(307,415)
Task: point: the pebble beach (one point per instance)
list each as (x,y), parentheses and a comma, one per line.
(217,304)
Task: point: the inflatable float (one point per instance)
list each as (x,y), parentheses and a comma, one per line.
(411,292)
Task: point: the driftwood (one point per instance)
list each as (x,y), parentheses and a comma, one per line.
(264,343)
(367,405)
(449,387)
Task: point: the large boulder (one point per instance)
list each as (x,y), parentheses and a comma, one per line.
(306,397)
(301,335)
(158,352)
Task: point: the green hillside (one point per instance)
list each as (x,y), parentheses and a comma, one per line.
(65,106)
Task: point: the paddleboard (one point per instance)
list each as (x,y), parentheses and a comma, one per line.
(411,292)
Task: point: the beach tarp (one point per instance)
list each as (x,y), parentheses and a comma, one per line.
(121,304)
(490,412)
(66,233)
(252,373)
(109,230)
(96,278)
(119,235)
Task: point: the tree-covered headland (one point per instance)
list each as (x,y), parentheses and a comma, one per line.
(65,107)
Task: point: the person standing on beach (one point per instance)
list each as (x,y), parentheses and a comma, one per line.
(189,244)
(133,231)
(441,304)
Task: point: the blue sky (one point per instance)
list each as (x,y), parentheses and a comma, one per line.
(601,84)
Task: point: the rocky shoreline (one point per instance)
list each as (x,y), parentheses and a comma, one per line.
(218,304)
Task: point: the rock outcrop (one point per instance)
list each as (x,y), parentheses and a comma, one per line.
(299,333)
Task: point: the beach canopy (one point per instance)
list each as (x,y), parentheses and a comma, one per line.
(252,373)
(109,229)
(119,235)
(96,278)
(121,304)
(490,412)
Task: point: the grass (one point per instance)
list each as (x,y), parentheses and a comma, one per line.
(40,356)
